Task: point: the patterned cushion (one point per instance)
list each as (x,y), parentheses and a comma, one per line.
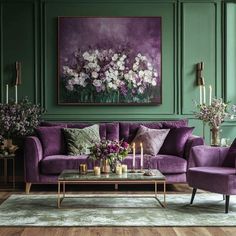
(152,139)
(79,140)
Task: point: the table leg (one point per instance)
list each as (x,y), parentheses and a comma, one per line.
(5,171)
(58,195)
(164,194)
(13,173)
(155,189)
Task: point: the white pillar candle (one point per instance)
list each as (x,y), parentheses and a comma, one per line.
(16,99)
(141,161)
(133,155)
(124,168)
(97,170)
(200,97)
(6,93)
(210,94)
(204,94)
(118,170)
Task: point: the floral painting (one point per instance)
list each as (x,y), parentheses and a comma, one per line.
(109,60)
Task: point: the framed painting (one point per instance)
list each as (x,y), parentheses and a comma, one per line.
(109,60)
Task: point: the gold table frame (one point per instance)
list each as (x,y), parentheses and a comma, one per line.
(62,194)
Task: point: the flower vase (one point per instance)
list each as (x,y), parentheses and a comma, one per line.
(105,167)
(215,136)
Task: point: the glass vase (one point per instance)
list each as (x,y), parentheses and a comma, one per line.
(215,136)
(105,166)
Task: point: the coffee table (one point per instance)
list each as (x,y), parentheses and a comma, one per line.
(74,177)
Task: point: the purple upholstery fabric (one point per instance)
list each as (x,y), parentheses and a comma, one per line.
(207,156)
(175,123)
(214,179)
(168,164)
(52,140)
(48,124)
(57,163)
(175,141)
(33,154)
(175,178)
(192,141)
(128,130)
(230,158)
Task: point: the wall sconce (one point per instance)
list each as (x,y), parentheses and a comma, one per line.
(200,78)
(18,73)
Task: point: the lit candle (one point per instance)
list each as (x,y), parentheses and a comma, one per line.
(141,162)
(204,94)
(210,94)
(16,100)
(97,170)
(124,168)
(133,155)
(200,102)
(6,93)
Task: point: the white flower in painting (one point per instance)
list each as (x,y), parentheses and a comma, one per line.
(110,85)
(155,74)
(86,56)
(154,83)
(69,87)
(139,55)
(115,57)
(141,73)
(141,90)
(94,74)
(97,83)
(135,67)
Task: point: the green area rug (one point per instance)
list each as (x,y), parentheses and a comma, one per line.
(90,210)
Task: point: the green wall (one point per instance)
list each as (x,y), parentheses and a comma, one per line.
(192,32)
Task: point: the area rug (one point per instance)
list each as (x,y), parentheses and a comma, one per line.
(90,210)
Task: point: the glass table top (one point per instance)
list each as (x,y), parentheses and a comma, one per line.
(74,175)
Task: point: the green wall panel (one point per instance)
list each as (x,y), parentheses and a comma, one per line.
(165,10)
(18,44)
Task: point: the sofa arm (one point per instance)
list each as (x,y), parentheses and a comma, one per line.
(33,153)
(192,142)
(207,156)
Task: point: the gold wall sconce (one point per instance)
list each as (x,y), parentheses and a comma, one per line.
(200,78)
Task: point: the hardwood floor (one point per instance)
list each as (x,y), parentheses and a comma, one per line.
(111,231)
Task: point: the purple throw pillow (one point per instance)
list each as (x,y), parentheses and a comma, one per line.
(230,158)
(175,141)
(52,140)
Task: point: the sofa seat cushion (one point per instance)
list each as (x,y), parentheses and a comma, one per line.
(168,164)
(214,179)
(57,163)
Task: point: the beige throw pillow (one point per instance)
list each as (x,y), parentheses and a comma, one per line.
(152,140)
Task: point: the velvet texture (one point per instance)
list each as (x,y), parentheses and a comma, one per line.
(175,141)
(41,168)
(52,140)
(230,158)
(152,140)
(206,170)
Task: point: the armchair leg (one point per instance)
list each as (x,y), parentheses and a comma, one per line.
(223,197)
(227,204)
(27,188)
(193,195)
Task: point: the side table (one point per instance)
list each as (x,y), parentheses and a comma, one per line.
(6,159)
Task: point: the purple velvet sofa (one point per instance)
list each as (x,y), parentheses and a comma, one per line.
(45,154)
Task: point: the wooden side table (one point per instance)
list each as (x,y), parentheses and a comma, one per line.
(6,159)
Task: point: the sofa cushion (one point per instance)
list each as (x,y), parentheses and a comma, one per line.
(175,141)
(128,130)
(108,131)
(52,140)
(175,123)
(152,139)
(215,179)
(79,140)
(57,163)
(230,158)
(168,164)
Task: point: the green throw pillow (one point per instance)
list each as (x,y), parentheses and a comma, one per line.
(79,140)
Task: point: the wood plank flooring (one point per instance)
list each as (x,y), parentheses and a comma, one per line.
(112,231)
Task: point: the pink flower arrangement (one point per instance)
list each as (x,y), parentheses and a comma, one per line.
(113,151)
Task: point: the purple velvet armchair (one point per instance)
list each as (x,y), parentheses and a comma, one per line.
(46,156)
(212,169)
